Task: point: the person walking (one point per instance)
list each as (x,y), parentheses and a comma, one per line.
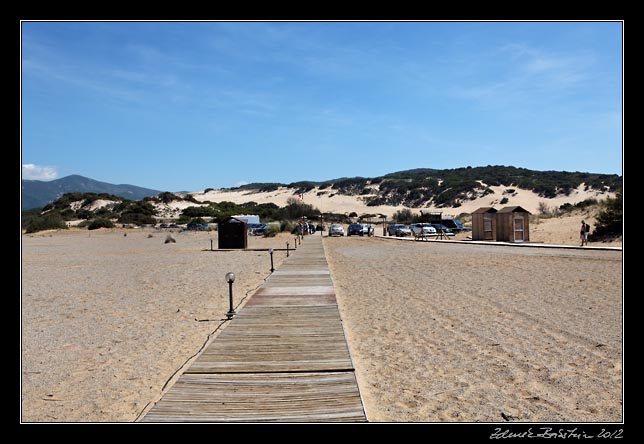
(583,233)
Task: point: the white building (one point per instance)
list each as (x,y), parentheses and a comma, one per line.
(249,218)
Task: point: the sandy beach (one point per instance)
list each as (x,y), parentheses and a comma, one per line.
(438,331)
(444,332)
(107,319)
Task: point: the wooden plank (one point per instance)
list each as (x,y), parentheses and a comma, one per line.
(297,290)
(268,397)
(300,273)
(283,357)
(270,338)
(286,300)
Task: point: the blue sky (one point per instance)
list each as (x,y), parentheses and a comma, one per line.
(188,105)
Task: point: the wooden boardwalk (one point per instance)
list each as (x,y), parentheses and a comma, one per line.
(283,357)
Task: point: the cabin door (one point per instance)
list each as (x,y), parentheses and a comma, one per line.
(518,228)
(488,234)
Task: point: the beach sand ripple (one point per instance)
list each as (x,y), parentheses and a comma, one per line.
(107,319)
(451,332)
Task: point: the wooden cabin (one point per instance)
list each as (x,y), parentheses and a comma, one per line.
(513,224)
(484,224)
(232,233)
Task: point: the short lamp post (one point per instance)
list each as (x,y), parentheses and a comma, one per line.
(230,278)
(271,253)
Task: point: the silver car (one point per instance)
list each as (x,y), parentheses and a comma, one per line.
(399,230)
(336,230)
(423,229)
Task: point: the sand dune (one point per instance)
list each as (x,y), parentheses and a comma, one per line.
(327,201)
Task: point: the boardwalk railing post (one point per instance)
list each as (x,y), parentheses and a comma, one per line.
(287,249)
(230,278)
(271,253)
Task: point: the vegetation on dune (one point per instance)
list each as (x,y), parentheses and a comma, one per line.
(135,212)
(294,209)
(100,223)
(415,188)
(271,230)
(404,216)
(610,221)
(63,204)
(451,187)
(33,221)
(568,207)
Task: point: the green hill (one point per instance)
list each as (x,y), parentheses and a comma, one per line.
(447,188)
(38,193)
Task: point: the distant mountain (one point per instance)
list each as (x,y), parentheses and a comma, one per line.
(37,193)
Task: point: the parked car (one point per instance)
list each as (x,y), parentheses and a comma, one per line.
(336,230)
(355,229)
(440,228)
(423,229)
(320,227)
(197,227)
(257,229)
(398,230)
(453,224)
(367,230)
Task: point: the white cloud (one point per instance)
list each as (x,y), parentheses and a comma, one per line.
(241,183)
(37,172)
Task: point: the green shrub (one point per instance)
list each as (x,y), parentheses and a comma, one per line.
(288,226)
(100,223)
(610,218)
(504,201)
(272,230)
(403,216)
(136,218)
(190,198)
(167,197)
(68,214)
(83,214)
(51,220)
